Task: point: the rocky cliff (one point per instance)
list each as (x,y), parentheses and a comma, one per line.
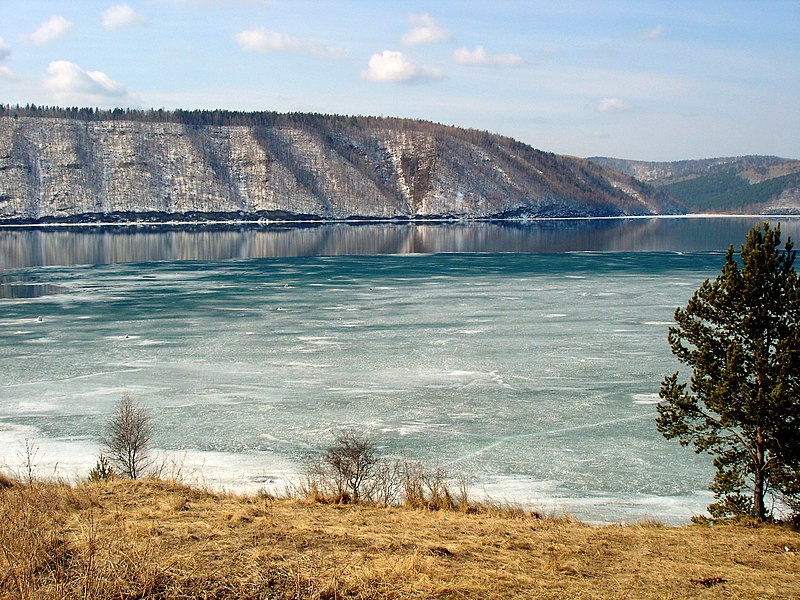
(60,167)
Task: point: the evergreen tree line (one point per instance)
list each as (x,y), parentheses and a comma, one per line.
(326,124)
(224,118)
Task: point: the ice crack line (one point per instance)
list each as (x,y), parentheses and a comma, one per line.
(87,376)
(546,433)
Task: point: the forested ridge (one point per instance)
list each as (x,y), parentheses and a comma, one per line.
(751,184)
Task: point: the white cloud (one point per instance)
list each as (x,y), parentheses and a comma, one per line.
(6,73)
(479,58)
(654,32)
(5,50)
(396,67)
(120,15)
(424,30)
(613,105)
(70,84)
(49,31)
(260,39)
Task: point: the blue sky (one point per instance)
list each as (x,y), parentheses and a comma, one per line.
(646,80)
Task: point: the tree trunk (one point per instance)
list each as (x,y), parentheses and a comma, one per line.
(759,510)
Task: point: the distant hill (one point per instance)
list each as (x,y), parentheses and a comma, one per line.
(79,164)
(753,184)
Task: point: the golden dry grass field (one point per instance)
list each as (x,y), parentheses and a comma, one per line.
(154,539)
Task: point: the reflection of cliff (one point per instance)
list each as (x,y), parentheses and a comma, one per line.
(328,167)
(20,248)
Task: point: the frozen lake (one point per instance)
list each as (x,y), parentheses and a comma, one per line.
(532,372)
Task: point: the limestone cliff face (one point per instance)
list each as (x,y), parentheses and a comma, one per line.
(57,168)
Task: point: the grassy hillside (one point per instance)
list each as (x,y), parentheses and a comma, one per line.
(128,539)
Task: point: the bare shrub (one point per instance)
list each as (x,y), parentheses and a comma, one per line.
(350,462)
(413,487)
(430,489)
(29,460)
(127,439)
(387,479)
(311,484)
(350,471)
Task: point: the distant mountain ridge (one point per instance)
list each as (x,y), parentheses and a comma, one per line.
(755,184)
(79,164)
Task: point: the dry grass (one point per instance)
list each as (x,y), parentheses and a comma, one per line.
(129,539)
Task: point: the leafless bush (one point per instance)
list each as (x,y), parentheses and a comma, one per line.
(127,439)
(384,489)
(346,466)
(350,471)
(168,467)
(429,489)
(28,459)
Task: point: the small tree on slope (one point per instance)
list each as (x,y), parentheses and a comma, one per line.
(127,438)
(352,461)
(740,334)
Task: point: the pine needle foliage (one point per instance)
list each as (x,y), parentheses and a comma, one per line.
(740,335)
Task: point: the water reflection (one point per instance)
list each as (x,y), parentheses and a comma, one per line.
(14,291)
(18,287)
(21,248)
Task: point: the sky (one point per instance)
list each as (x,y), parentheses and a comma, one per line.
(640,79)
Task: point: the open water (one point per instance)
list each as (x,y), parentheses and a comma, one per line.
(526,358)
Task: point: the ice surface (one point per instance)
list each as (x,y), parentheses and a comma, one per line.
(532,375)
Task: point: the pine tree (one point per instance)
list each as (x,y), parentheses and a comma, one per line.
(740,334)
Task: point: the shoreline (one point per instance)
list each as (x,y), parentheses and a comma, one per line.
(266,223)
(248,474)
